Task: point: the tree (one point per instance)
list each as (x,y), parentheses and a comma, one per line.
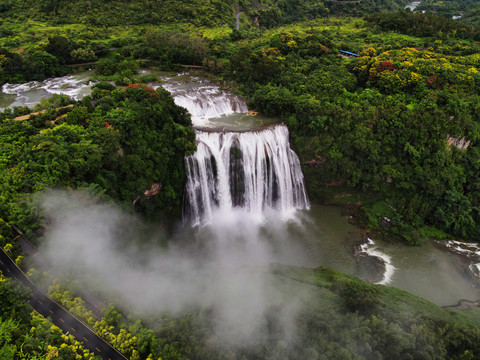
(60,47)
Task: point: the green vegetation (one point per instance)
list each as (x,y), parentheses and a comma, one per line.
(349,319)
(394,131)
(118,143)
(131,338)
(199,13)
(118,12)
(447,8)
(423,25)
(25,334)
(399,122)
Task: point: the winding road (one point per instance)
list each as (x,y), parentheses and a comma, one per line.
(60,317)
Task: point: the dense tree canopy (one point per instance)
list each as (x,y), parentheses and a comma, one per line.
(118,141)
(25,334)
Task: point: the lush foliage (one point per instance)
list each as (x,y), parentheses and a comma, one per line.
(266,13)
(24,334)
(422,25)
(131,338)
(36,65)
(448,8)
(397,124)
(118,12)
(400,120)
(119,142)
(349,319)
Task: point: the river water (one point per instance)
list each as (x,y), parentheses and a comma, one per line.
(412,6)
(428,271)
(28,94)
(317,235)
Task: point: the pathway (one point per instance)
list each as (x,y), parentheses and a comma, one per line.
(60,317)
(26,117)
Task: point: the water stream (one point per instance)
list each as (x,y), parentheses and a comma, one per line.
(211,107)
(28,94)
(245,179)
(412,6)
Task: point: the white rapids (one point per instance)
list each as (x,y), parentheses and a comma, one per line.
(206,102)
(30,93)
(370,249)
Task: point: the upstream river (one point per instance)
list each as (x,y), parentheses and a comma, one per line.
(318,236)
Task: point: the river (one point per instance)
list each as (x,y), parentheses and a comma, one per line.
(28,94)
(315,235)
(413,5)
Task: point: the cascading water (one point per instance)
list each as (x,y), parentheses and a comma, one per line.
(254,171)
(244,169)
(28,94)
(206,101)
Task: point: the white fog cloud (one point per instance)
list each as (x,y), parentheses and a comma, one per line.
(223,268)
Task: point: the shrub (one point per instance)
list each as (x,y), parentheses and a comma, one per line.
(357,296)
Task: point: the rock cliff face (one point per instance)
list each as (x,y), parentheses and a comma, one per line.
(154,190)
(461,143)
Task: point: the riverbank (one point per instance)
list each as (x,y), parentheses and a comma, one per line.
(371,211)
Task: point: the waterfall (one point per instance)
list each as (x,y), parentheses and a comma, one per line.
(254,171)
(235,172)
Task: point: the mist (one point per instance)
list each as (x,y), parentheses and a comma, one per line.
(221,267)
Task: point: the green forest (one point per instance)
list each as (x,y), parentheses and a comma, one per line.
(131,139)
(396,127)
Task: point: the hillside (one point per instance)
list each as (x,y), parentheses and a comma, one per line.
(267,13)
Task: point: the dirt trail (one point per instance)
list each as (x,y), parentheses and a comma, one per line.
(26,117)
